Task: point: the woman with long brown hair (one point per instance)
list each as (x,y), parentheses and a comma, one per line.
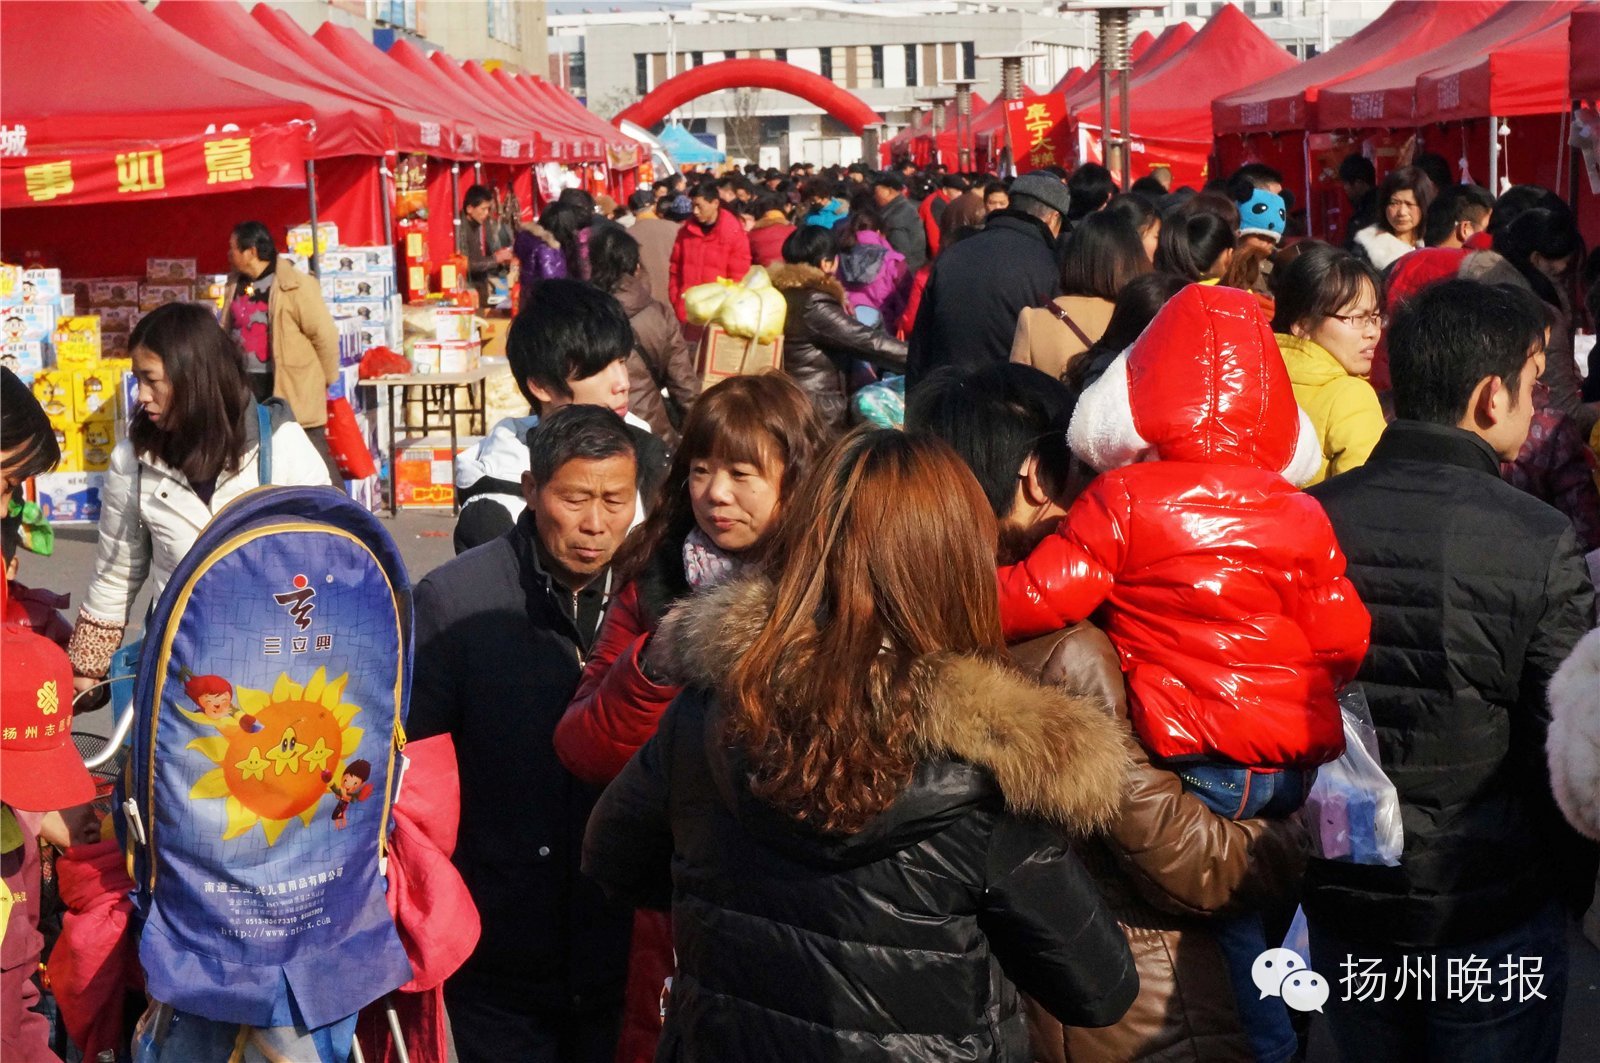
(855,811)
(747,444)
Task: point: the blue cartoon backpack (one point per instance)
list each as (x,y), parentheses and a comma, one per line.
(269,718)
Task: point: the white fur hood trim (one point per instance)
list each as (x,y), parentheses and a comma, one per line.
(1103,434)
(1573,745)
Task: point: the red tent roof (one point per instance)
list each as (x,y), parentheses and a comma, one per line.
(1142,57)
(1387,96)
(1527,75)
(345,125)
(418,129)
(502,137)
(554,137)
(564,102)
(1171,101)
(1289,100)
(64,78)
(403,65)
(551,133)
(1585,45)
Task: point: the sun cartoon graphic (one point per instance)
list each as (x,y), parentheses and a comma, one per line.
(277,768)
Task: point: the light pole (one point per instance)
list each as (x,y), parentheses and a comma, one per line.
(964,140)
(1112,24)
(937,101)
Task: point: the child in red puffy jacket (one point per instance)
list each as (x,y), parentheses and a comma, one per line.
(1221,583)
(1217,580)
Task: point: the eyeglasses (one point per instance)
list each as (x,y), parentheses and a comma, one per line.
(1361,321)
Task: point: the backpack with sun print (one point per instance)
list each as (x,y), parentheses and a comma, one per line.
(269,713)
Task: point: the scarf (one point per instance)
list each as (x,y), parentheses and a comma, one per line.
(705,564)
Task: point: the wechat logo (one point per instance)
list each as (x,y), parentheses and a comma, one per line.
(1282,973)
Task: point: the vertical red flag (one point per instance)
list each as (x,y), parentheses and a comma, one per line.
(1037,128)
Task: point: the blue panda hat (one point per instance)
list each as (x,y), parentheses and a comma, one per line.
(1263,214)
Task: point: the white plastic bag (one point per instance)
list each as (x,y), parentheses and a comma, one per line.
(1353,810)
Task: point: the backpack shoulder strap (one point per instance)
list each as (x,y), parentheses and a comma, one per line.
(263,445)
(1066,319)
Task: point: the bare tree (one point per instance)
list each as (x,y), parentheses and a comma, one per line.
(744,127)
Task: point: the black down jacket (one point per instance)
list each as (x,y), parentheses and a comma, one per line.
(901,942)
(978,287)
(1477,593)
(821,337)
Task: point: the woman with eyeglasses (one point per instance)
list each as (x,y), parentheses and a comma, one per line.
(1328,323)
(1403,197)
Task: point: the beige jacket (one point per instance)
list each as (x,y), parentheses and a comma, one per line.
(1047,344)
(305,342)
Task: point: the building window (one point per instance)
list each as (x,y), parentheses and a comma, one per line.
(911,65)
(782,55)
(401,14)
(826,63)
(969,60)
(641,73)
(877,66)
(503,26)
(697,59)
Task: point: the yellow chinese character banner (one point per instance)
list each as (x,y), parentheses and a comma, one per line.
(217,162)
(1038,132)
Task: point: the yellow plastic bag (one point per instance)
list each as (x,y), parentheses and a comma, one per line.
(754,309)
(702,302)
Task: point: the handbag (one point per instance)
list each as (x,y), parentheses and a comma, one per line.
(345,442)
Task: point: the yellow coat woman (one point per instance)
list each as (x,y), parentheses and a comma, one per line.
(1328,324)
(1343,408)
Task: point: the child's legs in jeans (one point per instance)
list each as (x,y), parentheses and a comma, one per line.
(1239,793)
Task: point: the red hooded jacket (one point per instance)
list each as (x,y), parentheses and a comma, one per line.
(700,256)
(1222,585)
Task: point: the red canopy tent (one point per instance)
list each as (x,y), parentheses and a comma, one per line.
(1383,99)
(1386,96)
(351,135)
(1526,79)
(1267,121)
(419,128)
(180,152)
(552,134)
(1288,100)
(563,103)
(1170,103)
(65,82)
(415,80)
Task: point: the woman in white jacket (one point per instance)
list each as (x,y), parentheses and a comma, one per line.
(193,446)
(1403,197)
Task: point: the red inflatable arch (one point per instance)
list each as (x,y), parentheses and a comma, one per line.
(754,74)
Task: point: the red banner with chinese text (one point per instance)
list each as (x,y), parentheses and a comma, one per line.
(270,157)
(1038,131)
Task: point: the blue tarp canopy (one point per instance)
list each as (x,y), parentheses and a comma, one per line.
(685,147)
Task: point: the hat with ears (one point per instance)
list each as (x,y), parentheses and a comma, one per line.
(1263,214)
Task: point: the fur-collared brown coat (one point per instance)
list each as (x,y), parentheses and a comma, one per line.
(903,940)
(821,338)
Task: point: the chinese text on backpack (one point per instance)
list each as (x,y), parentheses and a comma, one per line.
(270,703)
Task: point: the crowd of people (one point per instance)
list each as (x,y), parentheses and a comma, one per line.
(955,691)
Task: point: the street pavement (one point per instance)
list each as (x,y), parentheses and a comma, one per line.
(424,538)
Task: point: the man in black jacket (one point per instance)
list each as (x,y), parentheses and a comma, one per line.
(485,257)
(1477,593)
(501,633)
(979,286)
